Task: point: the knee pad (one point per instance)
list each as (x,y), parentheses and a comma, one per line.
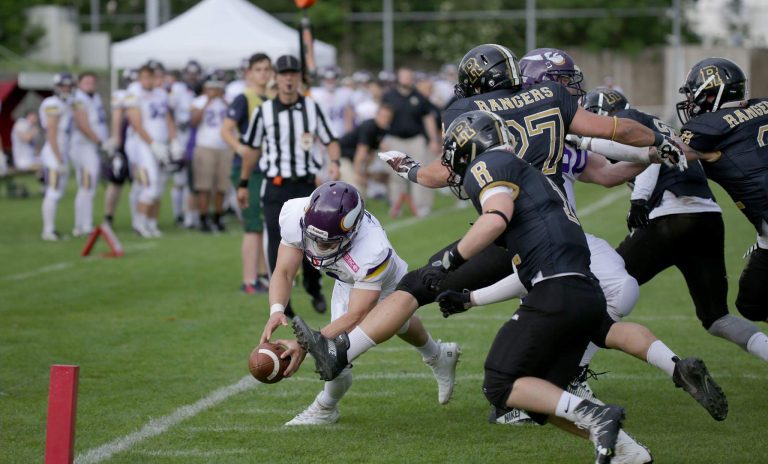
(622,301)
(413,284)
(734,329)
(405,327)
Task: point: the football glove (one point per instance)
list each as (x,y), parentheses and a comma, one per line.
(436,273)
(637,218)
(177,151)
(453,302)
(160,152)
(578,141)
(108,147)
(400,163)
(670,152)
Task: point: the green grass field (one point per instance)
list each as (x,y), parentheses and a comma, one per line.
(164,327)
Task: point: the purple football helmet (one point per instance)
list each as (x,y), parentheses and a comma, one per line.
(551,64)
(330,222)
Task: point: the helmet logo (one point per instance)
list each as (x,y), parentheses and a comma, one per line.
(463,133)
(554,57)
(711,76)
(349,220)
(473,70)
(611,98)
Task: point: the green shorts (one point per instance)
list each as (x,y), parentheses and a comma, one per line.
(252,219)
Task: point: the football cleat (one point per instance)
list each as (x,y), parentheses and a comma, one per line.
(579,386)
(52,236)
(603,424)
(76,232)
(444,368)
(509,417)
(248,289)
(142,230)
(330,355)
(692,375)
(315,414)
(630,451)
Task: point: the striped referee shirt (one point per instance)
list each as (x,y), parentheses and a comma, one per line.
(286,136)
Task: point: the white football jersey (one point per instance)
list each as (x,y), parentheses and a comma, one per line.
(97,117)
(371,262)
(209,129)
(24,156)
(153,105)
(180,101)
(55,106)
(574,163)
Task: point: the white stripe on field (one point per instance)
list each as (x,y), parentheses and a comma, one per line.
(192,453)
(158,426)
(67,264)
(608,199)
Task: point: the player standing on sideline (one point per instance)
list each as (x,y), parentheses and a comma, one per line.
(332,230)
(357,147)
(151,128)
(24,139)
(257,75)
(56,120)
(335,100)
(212,160)
(116,168)
(729,133)
(90,136)
(285,129)
(180,100)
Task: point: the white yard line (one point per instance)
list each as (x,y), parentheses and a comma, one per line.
(67,264)
(158,426)
(609,198)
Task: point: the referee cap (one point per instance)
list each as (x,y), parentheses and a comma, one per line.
(287,63)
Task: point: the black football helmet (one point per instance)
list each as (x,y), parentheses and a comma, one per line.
(604,101)
(488,67)
(467,137)
(710,84)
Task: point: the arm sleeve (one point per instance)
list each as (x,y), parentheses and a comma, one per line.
(619,151)
(324,132)
(645,182)
(255,133)
(507,288)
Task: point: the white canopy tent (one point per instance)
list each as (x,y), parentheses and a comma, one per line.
(217,33)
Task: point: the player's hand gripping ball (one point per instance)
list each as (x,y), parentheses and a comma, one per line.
(265,363)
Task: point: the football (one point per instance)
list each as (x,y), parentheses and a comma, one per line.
(265,363)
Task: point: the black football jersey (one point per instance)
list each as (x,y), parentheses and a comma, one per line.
(741,137)
(690,183)
(544,234)
(538,117)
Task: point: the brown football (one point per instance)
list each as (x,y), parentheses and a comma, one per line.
(265,363)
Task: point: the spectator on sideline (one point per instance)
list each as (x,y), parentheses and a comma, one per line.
(413,131)
(356,147)
(285,129)
(24,141)
(257,75)
(212,160)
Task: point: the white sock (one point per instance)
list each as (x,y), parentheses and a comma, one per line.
(430,350)
(139,220)
(359,343)
(566,407)
(660,356)
(589,353)
(49,215)
(84,209)
(334,390)
(758,345)
(177,201)
(152,223)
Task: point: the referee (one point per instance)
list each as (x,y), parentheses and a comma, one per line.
(284,130)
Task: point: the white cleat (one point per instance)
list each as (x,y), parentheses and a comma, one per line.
(51,236)
(630,451)
(142,230)
(76,232)
(154,231)
(315,414)
(444,367)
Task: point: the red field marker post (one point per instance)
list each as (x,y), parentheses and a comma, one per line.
(62,405)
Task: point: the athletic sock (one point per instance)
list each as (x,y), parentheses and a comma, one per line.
(359,343)
(566,407)
(660,356)
(177,201)
(49,215)
(758,345)
(429,350)
(589,353)
(152,223)
(334,390)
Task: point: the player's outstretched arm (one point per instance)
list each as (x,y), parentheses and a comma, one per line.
(599,171)
(453,302)
(286,268)
(361,302)
(431,175)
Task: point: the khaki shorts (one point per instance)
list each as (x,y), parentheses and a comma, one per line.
(212,168)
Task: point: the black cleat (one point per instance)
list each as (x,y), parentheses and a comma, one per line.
(330,355)
(603,424)
(318,302)
(692,376)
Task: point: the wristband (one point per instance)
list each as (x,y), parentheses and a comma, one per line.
(243,183)
(615,125)
(276,308)
(414,171)
(658,139)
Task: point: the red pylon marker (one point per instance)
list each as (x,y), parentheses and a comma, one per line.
(116,249)
(62,405)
